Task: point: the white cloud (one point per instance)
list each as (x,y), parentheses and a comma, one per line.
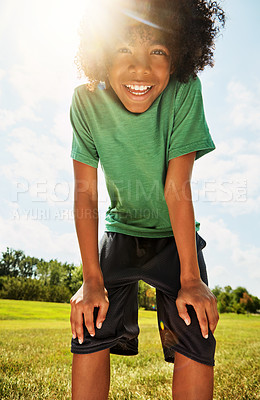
(12,117)
(46,45)
(229,260)
(36,239)
(245,105)
(2,73)
(41,151)
(28,80)
(218,232)
(62,129)
(218,271)
(249,259)
(229,178)
(39,166)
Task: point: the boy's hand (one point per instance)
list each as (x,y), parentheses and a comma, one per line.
(90,295)
(197,294)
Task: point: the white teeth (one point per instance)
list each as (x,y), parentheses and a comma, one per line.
(138,87)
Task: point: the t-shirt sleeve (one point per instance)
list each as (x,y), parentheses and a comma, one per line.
(190,130)
(83,146)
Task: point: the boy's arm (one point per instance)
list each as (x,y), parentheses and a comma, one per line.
(179,201)
(92,293)
(86,217)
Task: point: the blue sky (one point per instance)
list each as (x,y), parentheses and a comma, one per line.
(38,42)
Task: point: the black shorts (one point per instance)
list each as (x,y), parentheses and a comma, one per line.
(125,260)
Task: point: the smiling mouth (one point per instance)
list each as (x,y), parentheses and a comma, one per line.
(138,90)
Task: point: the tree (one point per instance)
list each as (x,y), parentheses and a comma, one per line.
(146,296)
(73,277)
(76,279)
(9,265)
(29,278)
(27,267)
(15,263)
(256,304)
(56,272)
(237,300)
(247,301)
(42,271)
(217,290)
(228,289)
(238,293)
(224,302)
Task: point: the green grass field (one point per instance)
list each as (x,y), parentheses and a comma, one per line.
(36,359)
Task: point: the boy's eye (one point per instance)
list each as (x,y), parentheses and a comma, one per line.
(159,52)
(124,50)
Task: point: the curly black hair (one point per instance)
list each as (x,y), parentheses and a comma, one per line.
(189,27)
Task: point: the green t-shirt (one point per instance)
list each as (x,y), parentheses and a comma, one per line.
(134,150)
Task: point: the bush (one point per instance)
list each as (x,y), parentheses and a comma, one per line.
(32,289)
(22,289)
(237,300)
(146,296)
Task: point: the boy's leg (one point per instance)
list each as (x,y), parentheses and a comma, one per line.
(191,379)
(192,354)
(119,332)
(91,375)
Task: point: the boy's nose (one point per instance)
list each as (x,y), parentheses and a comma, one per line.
(139,65)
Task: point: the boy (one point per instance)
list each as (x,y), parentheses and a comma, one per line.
(146,128)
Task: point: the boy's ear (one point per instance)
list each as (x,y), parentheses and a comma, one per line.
(172,69)
(107,83)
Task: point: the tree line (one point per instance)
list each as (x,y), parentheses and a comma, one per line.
(28,278)
(237,300)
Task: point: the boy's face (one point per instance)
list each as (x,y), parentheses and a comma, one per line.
(140,67)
